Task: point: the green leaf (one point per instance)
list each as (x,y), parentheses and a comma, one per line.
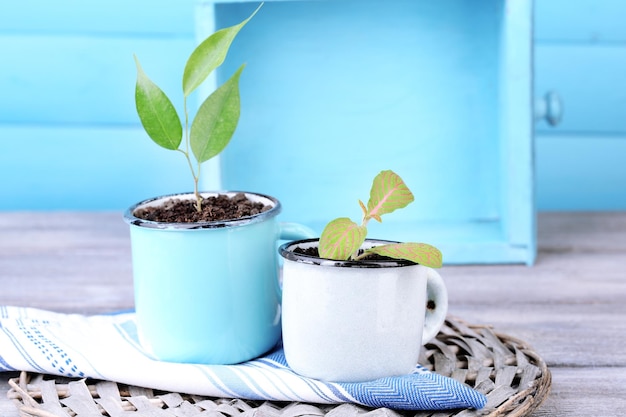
(341,238)
(388,193)
(156,112)
(421,253)
(216,120)
(209,55)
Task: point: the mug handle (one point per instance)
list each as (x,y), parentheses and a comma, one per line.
(436,305)
(295,231)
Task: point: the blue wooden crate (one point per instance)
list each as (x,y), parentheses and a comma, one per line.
(336,91)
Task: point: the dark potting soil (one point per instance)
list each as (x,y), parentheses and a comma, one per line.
(218,208)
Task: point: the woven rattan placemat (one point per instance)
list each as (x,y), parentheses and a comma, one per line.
(513,377)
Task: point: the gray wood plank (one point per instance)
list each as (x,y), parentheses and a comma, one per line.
(560,232)
(585,392)
(67,262)
(570,306)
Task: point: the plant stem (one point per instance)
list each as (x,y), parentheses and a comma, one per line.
(196,178)
(193,173)
(361,256)
(186,127)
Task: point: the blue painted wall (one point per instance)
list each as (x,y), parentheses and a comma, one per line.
(69,135)
(70,138)
(334,92)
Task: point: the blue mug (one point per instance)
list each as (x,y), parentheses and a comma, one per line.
(208,292)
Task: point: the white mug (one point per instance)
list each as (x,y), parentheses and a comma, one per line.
(347,321)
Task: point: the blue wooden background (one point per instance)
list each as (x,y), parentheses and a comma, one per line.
(69,134)
(580,52)
(336,91)
(320,103)
(70,138)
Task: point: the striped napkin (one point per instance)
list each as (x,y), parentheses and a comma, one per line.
(106,347)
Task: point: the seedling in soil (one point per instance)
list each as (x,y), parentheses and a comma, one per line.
(342,238)
(217,117)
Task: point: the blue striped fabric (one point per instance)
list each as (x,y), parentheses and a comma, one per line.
(106,347)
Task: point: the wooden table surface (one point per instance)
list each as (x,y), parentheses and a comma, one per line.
(570,306)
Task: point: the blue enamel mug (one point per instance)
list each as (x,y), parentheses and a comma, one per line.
(208,292)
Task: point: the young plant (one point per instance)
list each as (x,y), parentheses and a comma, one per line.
(342,238)
(217,117)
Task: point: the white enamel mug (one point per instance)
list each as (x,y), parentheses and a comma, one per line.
(347,321)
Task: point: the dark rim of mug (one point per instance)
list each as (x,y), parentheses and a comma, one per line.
(287,251)
(131,219)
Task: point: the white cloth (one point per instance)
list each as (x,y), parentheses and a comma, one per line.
(106,347)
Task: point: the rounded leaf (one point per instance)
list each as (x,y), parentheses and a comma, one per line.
(421,253)
(388,193)
(340,239)
(156,112)
(217,118)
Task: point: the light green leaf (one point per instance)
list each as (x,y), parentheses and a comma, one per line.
(156,112)
(388,193)
(209,55)
(421,253)
(341,238)
(216,120)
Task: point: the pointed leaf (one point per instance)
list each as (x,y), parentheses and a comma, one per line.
(363,208)
(156,112)
(388,193)
(209,55)
(421,253)
(341,238)
(216,120)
